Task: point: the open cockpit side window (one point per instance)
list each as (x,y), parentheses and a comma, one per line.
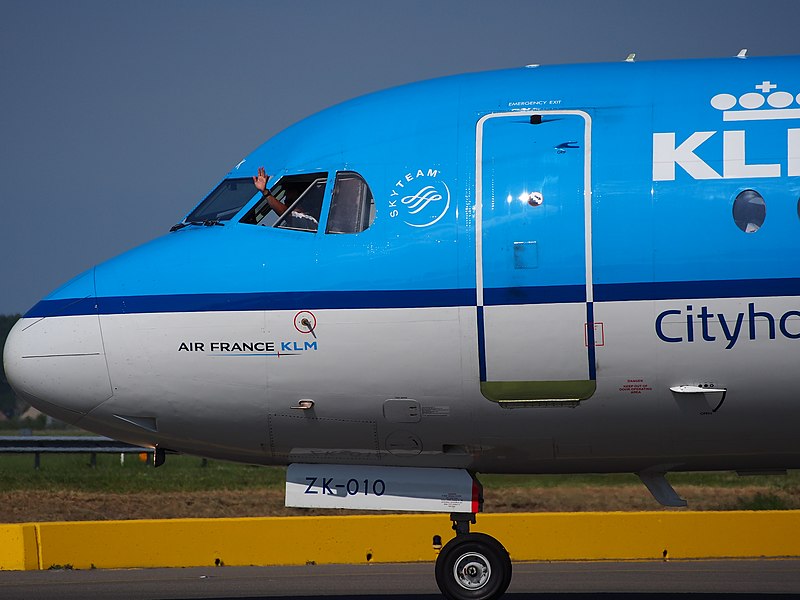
(224,202)
(303,213)
(302,196)
(352,205)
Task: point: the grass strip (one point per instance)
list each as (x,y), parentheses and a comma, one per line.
(190,474)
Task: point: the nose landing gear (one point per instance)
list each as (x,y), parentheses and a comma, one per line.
(472,566)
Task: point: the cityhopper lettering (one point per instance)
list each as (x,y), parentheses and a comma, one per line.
(670,152)
(690,325)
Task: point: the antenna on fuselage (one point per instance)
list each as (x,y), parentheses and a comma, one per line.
(631,57)
(742,53)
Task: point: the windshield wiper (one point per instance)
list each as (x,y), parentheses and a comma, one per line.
(207,223)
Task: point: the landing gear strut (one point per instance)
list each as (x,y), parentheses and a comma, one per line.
(472,566)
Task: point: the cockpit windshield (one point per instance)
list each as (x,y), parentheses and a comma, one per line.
(224,202)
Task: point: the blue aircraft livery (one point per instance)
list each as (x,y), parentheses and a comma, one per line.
(669,149)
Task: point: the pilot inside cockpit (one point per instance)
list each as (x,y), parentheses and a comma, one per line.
(297,218)
(260,181)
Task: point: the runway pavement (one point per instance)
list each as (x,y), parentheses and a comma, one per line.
(679,580)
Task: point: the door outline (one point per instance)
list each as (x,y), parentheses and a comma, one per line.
(525,392)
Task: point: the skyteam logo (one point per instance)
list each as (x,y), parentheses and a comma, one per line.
(767,104)
(420,198)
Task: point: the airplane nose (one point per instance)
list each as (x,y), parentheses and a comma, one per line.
(54,357)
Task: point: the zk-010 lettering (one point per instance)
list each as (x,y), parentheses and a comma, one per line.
(328,486)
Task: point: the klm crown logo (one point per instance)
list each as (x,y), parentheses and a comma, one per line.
(780,104)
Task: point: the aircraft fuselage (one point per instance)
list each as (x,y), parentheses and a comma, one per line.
(542,270)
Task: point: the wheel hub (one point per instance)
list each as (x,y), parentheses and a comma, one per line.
(472,571)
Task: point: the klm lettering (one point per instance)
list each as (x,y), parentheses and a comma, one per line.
(298,347)
(667,153)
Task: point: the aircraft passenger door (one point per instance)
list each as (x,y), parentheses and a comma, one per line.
(533,257)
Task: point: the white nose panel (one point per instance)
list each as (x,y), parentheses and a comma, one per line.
(58,363)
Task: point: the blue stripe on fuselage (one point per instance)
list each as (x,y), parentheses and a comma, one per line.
(617,292)
(551,294)
(254,301)
(672,290)
(590,340)
(481,345)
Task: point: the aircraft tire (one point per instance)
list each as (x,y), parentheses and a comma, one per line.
(473,566)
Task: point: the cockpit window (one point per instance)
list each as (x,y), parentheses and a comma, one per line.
(352,205)
(303,213)
(301,194)
(224,202)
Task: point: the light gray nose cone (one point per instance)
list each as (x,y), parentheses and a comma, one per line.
(57,364)
(54,357)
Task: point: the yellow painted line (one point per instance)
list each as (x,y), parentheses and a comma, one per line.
(396,538)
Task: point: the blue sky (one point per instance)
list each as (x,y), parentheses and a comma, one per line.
(117,117)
